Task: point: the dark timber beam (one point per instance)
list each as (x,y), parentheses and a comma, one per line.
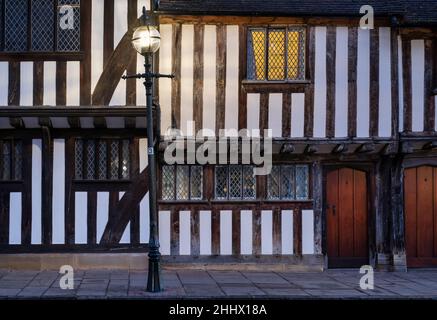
(17,123)
(125,209)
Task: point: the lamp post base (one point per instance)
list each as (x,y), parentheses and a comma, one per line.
(154,275)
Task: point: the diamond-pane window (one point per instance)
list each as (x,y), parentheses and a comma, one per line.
(301,182)
(115,159)
(90,160)
(235,182)
(16,25)
(168,183)
(102,160)
(276,54)
(18,160)
(11,160)
(249,183)
(288,182)
(182,182)
(221,182)
(125,167)
(68,25)
(6,155)
(196,182)
(42,25)
(78,159)
(273,183)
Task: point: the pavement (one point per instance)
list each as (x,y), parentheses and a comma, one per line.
(193,284)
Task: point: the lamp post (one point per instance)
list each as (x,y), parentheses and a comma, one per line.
(146,41)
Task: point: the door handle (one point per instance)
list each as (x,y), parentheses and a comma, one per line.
(333,207)
(333,210)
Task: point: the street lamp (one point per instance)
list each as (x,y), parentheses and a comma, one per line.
(146,41)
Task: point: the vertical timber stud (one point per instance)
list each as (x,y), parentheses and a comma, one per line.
(198,76)
(352,79)
(85,44)
(221,79)
(131,92)
(331,41)
(47,185)
(374,83)
(383,209)
(397,212)
(406,75)
(309,90)
(318,206)
(395,81)
(69,191)
(176,70)
(429,100)
(26,222)
(242,112)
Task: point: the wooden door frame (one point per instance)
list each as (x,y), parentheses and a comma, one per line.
(413,161)
(369,169)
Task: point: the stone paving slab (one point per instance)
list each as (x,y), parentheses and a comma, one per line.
(183,284)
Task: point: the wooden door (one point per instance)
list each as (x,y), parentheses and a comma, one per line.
(420,201)
(347,218)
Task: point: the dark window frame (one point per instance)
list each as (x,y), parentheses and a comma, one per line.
(242,187)
(174,198)
(306,75)
(108,179)
(295,198)
(13,178)
(54,54)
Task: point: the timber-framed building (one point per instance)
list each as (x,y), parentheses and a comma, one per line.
(352,113)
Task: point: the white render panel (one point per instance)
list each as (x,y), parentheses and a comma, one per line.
(165,66)
(253,105)
(184,232)
(363,83)
(125,238)
(287,231)
(307,232)
(26,83)
(266,232)
(232,77)
(401,86)
(15,214)
(341,82)
(275,114)
(385,84)
(246,232)
(73,83)
(4,83)
(417,83)
(102,214)
(49,95)
(58,191)
(80,218)
(226,232)
(164,232)
(297,114)
(97,30)
(187,56)
(36,190)
(320,83)
(205,232)
(209,76)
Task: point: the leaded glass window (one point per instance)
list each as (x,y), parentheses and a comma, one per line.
(40,25)
(288,182)
(182,182)
(11,160)
(235,182)
(102,159)
(276,54)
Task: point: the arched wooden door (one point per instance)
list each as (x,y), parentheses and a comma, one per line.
(347,218)
(420,201)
